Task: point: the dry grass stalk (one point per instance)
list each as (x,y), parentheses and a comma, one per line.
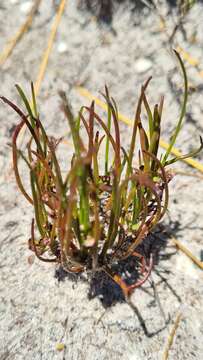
(7,51)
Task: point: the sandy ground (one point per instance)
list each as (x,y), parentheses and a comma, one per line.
(36,310)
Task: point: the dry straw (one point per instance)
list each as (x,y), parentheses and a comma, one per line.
(187,252)
(171,337)
(47,52)
(190,59)
(11,44)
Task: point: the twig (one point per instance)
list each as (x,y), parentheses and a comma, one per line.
(171,336)
(8,49)
(187,252)
(46,55)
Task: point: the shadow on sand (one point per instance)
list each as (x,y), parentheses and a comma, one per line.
(109,293)
(104,10)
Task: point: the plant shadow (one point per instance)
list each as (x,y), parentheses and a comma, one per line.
(109,293)
(104,10)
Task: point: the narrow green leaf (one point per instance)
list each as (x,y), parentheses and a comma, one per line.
(183,110)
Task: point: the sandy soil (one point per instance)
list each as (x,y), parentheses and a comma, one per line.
(36,310)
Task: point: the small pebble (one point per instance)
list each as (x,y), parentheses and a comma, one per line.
(142,65)
(25,7)
(31,259)
(89,242)
(62,47)
(60,346)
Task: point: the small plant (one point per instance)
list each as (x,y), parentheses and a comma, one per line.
(100,212)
